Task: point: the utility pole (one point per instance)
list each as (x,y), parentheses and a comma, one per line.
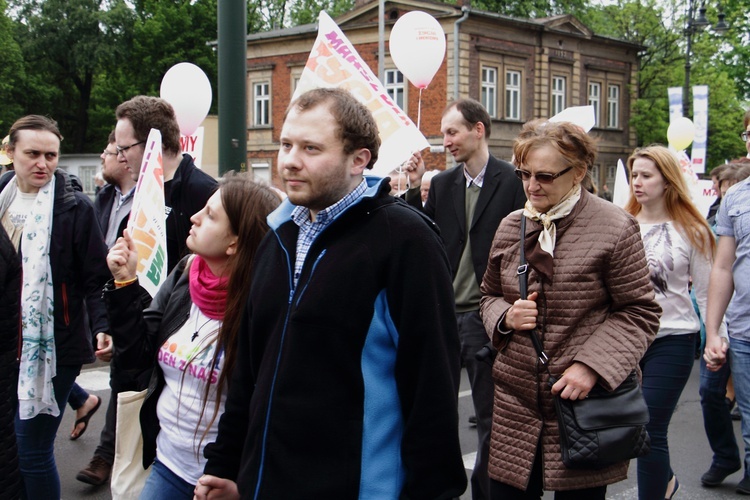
(232,47)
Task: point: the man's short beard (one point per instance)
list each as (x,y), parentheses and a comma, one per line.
(109,179)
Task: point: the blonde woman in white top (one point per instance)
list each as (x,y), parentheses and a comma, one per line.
(679,250)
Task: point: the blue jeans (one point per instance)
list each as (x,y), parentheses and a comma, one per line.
(716,418)
(78,396)
(739,357)
(163,484)
(666,368)
(473,337)
(36,442)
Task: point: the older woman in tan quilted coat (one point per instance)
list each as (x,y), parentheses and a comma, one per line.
(590,300)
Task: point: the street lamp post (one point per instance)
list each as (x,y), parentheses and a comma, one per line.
(692,27)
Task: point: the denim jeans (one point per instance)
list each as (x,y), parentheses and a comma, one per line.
(716,418)
(739,357)
(78,396)
(666,368)
(36,442)
(163,484)
(473,337)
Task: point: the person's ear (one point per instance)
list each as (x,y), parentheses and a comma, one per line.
(232,248)
(578,175)
(479,129)
(360,160)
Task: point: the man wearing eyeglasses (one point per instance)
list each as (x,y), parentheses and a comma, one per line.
(113,203)
(468,202)
(186,187)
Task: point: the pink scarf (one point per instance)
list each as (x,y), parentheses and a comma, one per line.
(208,291)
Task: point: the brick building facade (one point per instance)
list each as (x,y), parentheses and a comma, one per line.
(520,69)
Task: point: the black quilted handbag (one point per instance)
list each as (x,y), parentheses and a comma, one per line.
(605,428)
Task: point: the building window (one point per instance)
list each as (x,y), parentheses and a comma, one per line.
(394,85)
(558,94)
(595,100)
(295,82)
(613,106)
(489,90)
(262,104)
(261,170)
(595,176)
(86,175)
(611,173)
(513,95)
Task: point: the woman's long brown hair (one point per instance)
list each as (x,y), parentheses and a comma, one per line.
(247,203)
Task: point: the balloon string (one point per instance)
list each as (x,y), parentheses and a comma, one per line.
(419,110)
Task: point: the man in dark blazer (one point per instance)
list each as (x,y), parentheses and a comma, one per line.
(468,202)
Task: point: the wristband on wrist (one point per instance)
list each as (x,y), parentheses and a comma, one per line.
(120,284)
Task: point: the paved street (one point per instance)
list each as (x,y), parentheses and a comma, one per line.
(690,453)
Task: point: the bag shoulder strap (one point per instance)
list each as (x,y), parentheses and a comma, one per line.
(523,276)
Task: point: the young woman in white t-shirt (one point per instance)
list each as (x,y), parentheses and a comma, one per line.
(679,249)
(187,337)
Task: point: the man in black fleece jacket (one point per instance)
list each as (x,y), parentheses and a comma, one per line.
(347,370)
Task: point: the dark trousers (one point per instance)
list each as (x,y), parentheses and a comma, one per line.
(666,368)
(534,491)
(36,442)
(716,418)
(106,448)
(473,336)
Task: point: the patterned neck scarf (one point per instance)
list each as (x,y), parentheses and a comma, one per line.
(542,250)
(38,364)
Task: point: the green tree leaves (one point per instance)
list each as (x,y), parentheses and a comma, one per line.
(660,28)
(76,60)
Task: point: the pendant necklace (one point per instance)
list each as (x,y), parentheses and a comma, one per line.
(197,330)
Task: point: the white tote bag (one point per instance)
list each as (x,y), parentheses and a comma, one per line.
(128,475)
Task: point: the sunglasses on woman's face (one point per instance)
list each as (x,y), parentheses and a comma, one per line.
(541,177)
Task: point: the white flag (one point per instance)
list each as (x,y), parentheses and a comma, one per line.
(147,223)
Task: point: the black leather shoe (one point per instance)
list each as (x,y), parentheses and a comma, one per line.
(716,475)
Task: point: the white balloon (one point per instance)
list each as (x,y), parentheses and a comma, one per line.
(417,46)
(186,87)
(681,133)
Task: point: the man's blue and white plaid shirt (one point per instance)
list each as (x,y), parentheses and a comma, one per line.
(309,230)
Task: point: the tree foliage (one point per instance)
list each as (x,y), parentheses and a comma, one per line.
(307,11)
(12,73)
(81,58)
(65,45)
(659,27)
(76,60)
(532,8)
